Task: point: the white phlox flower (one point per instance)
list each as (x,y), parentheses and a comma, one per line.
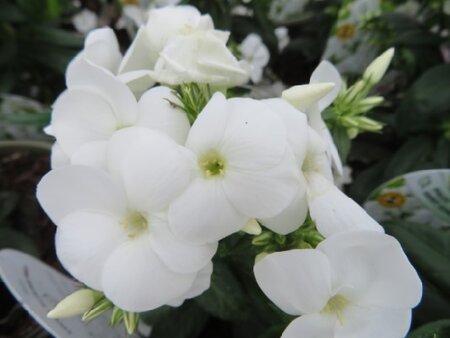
(295,122)
(314,98)
(244,169)
(255,52)
(179,45)
(101,48)
(331,210)
(358,284)
(112,232)
(282,34)
(85,21)
(97,104)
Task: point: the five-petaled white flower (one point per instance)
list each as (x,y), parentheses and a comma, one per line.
(255,52)
(357,284)
(244,168)
(112,230)
(97,104)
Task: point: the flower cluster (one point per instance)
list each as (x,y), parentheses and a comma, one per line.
(147,180)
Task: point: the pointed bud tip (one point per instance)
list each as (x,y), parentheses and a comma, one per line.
(304,96)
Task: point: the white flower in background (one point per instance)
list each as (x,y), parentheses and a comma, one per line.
(255,52)
(314,98)
(112,232)
(179,45)
(282,34)
(283,10)
(244,169)
(345,178)
(349,48)
(101,48)
(266,90)
(97,104)
(357,284)
(85,21)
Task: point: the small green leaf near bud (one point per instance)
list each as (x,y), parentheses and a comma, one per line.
(98,309)
(131,321)
(116,316)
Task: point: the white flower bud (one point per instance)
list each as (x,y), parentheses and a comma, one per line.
(75,304)
(375,71)
(304,96)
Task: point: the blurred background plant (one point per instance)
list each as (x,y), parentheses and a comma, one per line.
(284,40)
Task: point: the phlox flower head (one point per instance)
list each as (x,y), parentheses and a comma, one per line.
(354,284)
(244,168)
(112,232)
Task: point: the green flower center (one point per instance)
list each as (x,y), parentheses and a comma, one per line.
(135,224)
(212,164)
(336,306)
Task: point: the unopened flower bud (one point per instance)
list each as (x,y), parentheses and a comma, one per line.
(376,70)
(75,304)
(369,103)
(252,227)
(304,96)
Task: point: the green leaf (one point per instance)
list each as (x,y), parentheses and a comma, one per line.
(428,248)
(438,329)
(413,155)
(10,238)
(427,103)
(342,141)
(10,12)
(58,37)
(225,299)
(8,202)
(186,321)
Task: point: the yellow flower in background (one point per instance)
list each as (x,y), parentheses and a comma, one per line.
(345,32)
(392,199)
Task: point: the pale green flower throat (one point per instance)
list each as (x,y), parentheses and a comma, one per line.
(212,164)
(135,224)
(336,306)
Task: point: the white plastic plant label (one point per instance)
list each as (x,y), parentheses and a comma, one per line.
(421,197)
(39,287)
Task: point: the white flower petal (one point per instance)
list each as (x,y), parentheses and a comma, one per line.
(203,214)
(135,279)
(208,128)
(71,188)
(93,78)
(255,137)
(375,267)
(58,157)
(84,240)
(140,55)
(157,112)
(92,154)
(373,322)
(292,217)
(297,281)
(326,72)
(311,326)
(138,81)
(152,167)
(201,283)
(264,193)
(102,49)
(179,256)
(333,211)
(296,126)
(80,117)
(303,97)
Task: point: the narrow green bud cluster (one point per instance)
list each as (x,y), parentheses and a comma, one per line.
(350,108)
(193,98)
(306,237)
